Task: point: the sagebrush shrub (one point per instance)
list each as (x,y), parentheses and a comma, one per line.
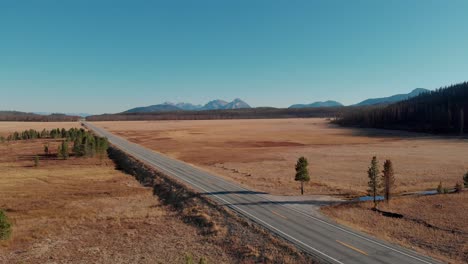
(5,226)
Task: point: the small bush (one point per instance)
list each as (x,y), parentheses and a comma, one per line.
(446,190)
(5,226)
(458,187)
(188,259)
(440,189)
(36,161)
(202,261)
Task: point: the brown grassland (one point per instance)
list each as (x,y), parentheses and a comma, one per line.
(82,210)
(261,153)
(435,225)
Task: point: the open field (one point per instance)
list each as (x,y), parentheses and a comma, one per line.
(262,153)
(82,210)
(446,238)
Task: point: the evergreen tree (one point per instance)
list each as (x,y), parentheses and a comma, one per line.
(46,149)
(302,172)
(63,133)
(373,184)
(388,180)
(16,136)
(44,133)
(64,149)
(59,152)
(77,148)
(101,146)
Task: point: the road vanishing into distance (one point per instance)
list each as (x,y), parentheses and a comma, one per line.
(325,240)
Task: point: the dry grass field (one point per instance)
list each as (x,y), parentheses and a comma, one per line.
(446,238)
(82,210)
(262,153)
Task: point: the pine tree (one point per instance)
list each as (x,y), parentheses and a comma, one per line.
(63,133)
(302,172)
(388,180)
(63,149)
(77,148)
(44,133)
(373,174)
(59,151)
(46,149)
(101,146)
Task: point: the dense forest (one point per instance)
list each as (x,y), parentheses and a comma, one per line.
(441,111)
(30,117)
(251,113)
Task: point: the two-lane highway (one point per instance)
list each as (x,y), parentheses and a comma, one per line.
(326,240)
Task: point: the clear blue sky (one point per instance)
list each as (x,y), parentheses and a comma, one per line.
(107,56)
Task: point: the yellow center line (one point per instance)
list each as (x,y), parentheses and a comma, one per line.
(353,248)
(280,215)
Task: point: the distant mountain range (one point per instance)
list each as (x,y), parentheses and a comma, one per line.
(237,104)
(393,98)
(367,102)
(328,103)
(212,105)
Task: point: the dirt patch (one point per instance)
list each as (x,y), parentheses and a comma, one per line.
(434,225)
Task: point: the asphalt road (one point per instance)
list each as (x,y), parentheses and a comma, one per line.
(325,240)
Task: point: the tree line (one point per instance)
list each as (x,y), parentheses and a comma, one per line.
(250,113)
(440,111)
(55,133)
(30,117)
(84,142)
